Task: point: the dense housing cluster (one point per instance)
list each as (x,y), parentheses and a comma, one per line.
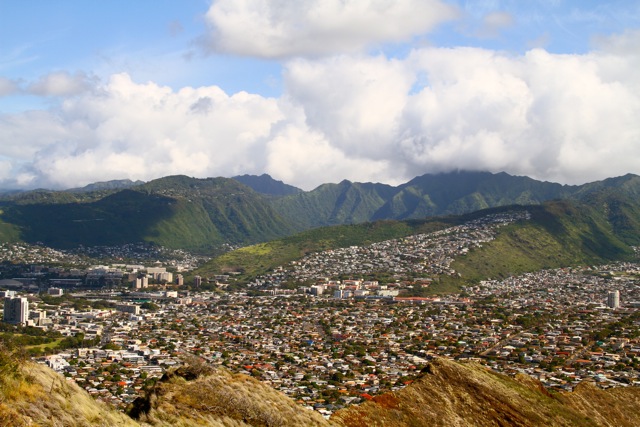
(341,340)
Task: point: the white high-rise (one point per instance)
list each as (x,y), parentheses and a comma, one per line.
(613,299)
(16,311)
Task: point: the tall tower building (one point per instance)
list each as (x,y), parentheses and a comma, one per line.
(197,281)
(613,299)
(16,311)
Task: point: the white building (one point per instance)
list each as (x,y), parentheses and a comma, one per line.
(142,282)
(613,299)
(56,292)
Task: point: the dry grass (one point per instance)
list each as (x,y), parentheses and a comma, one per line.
(454,394)
(449,394)
(37,396)
(223,399)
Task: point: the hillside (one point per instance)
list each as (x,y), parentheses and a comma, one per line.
(447,394)
(203,214)
(176,212)
(559,233)
(34,395)
(264,184)
(260,258)
(198,395)
(456,394)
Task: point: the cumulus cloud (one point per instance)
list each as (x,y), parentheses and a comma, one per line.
(8,87)
(564,118)
(567,118)
(495,22)
(61,83)
(281,28)
(141,131)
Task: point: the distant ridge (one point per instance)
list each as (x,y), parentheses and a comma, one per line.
(265,184)
(116,184)
(451,193)
(201,214)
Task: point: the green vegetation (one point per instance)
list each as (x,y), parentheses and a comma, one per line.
(176,212)
(559,234)
(202,214)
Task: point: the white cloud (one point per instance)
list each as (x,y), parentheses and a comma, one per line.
(299,155)
(8,87)
(354,101)
(565,118)
(282,28)
(142,131)
(495,22)
(62,83)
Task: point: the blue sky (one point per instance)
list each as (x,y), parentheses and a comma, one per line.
(317,91)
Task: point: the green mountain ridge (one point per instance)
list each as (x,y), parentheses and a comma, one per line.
(264,184)
(177,212)
(202,214)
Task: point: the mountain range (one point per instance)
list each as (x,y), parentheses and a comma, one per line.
(201,214)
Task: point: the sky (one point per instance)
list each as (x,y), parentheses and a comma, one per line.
(317,91)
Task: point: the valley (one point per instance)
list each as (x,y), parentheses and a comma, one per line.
(335,317)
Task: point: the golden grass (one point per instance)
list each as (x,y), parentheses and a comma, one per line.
(223,399)
(37,396)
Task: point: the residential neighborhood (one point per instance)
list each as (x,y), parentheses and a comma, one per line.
(343,340)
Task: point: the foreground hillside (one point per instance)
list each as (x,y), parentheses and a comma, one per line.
(448,394)
(34,395)
(197,395)
(454,394)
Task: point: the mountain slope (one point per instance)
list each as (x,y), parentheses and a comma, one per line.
(177,212)
(427,195)
(201,214)
(117,184)
(461,192)
(264,184)
(332,204)
(455,394)
(559,234)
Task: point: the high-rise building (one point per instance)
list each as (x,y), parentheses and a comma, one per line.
(16,311)
(141,282)
(179,280)
(613,299)
(197,281)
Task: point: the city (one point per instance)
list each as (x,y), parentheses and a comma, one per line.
(339,341)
